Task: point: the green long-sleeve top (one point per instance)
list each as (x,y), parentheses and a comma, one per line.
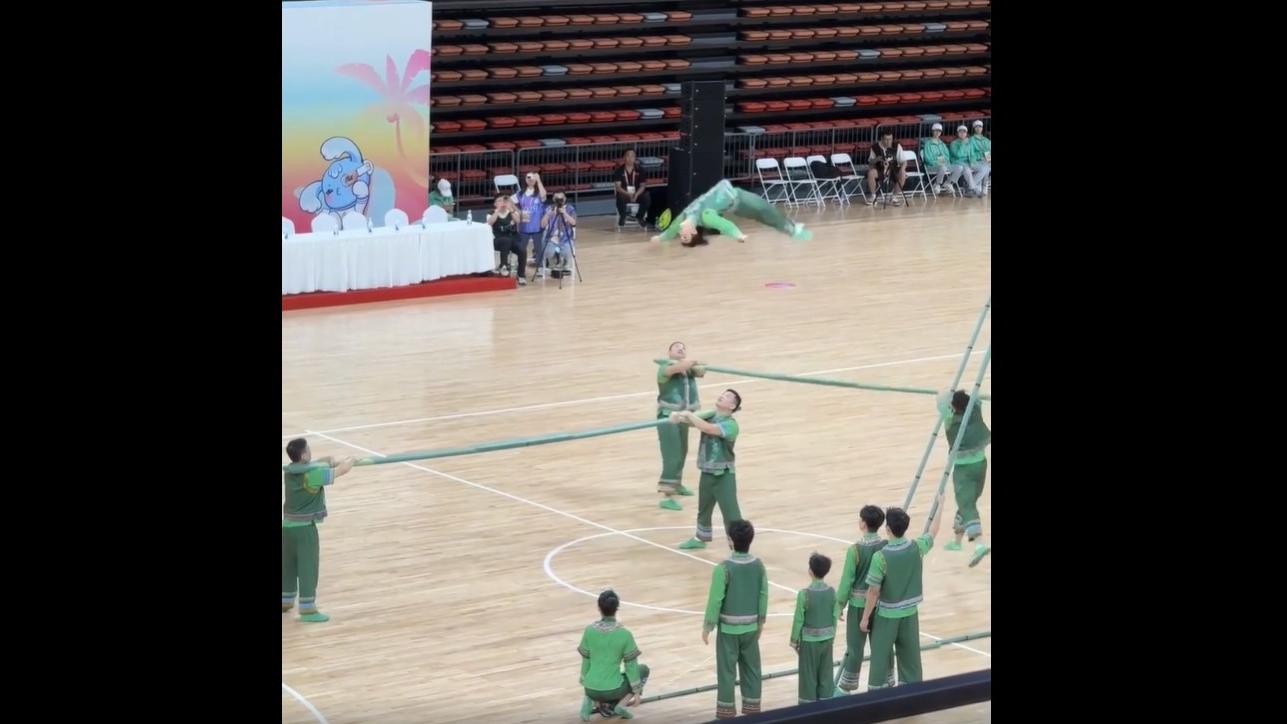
(706,211)
(961,152)
(605,645)
(857,563)
(977,434)
(935,152)
(980,144)
(822,623)
(724,603)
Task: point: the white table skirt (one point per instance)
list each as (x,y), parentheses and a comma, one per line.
(384,257)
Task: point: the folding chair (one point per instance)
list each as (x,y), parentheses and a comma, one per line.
(799,175)
(825,183)
(774,180)
(913,172)
(848,175)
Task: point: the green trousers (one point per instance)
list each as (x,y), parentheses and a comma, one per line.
(737,654)
(894,639)
(815,670)
(301,557)
(967,484)
(750,206)
(712,489)
(621,692)
(674,451)
(855,640)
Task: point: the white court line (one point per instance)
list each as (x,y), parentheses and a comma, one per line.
(575,517)
(300,698)
(566,403)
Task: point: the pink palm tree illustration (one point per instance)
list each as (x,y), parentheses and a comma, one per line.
(396,100)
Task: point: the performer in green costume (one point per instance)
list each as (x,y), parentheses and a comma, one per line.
(676,392)
(709,210)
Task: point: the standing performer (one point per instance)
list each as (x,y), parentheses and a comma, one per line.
(606,648)
(894,592)
(304,508)
(707,210)
(715,458)
(676,392)
(853,588)
(739,605)
(969,471)
(813,632)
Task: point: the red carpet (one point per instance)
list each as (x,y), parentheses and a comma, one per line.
(436,288)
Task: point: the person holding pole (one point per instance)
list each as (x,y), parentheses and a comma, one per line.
(676,392)
(303,509)
(715,458)
(969,471)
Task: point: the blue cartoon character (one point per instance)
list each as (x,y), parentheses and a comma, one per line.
(346,184)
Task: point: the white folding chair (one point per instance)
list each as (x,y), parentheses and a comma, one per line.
(326,223)
(396,218)
(913,172)
(829,187)
(799,176)
(435,215)
(770,175)
(503,182)
(848,175)
(354,223)
(952,187)
(288,228)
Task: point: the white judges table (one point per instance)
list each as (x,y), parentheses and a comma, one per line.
(384,257)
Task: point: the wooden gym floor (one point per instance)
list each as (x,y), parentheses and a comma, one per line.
(458,588)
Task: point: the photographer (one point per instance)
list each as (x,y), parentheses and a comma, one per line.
(886,158)
(559,224)
(631,187)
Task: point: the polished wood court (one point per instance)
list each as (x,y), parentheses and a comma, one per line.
(458,588)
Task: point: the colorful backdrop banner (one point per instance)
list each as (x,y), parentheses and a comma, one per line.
(355,108)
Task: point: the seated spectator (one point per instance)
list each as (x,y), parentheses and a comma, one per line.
(504,223)
(531,211)
(961,152)
(441,196)
(885,159)
(631,188)
(560,233)
(937,163)
(981,157)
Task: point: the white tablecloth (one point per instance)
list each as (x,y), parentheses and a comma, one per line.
(384,257)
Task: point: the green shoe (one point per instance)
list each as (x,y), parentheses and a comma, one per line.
(979,553)
(839,692)
(681,490)
(669,504)
(953,546)
(692,544)
(801,233)
(314,618)
(623,712)
(587,707)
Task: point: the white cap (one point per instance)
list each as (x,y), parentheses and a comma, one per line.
(444,188)
(962,128)
(978,124)
(936,127)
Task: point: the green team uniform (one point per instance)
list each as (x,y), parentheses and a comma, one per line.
(813,631)
(961,152)
(605,646)
(979,145)
(739,604)
(718,483)
(935,153)
(303,509)
(971,465)
(675,393)
(895,625)
(853,589)
(723,198)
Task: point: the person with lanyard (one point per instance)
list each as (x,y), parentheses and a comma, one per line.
(559,223)
(531,210)
(708,211)
(305,481)
(631,188)
(886,159)
(718,484)
(894,592)
(504,223)
(676,392)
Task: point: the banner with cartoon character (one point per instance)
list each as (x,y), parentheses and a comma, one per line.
(355,108)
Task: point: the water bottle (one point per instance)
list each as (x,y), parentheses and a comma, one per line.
(469,219)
